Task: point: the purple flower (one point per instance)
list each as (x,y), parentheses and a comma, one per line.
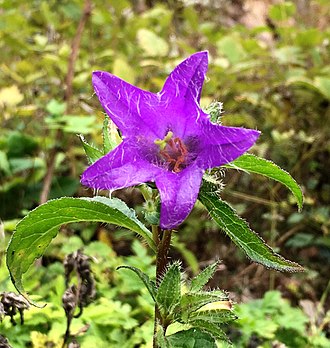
(167,138)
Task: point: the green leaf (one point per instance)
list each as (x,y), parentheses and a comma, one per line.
(213,329)
(122,69)
(192,338)
(150,285)
(240,233)
(92,153)
(169,290)
(34,233)
(254,164)
(202,278)
(215,316)
(191,302)
(281,12)
(151,43)
(56,108)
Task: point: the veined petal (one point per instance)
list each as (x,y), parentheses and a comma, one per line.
(214,134)
(186,80)
(233,143)
(178,194)
(122,167)
(133,110)
(181,94)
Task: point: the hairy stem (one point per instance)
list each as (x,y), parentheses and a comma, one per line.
(163,247)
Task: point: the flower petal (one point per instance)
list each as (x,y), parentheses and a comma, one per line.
(178,194)
(181,93)
(221,145)
(133,110)
(186,80)
(122,167)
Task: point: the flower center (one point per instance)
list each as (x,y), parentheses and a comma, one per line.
(173,152)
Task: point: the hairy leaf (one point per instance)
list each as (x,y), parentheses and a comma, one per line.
(202,278)
(213,329)
(150,285)
(34,233)
(169,290)
(240,233)
(192,338)
(254,164)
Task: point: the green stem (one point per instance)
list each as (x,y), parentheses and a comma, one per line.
(163,246)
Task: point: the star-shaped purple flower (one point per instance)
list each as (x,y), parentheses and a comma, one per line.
(167,138)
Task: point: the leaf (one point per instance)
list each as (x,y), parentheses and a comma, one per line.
(192,338)
(123,70)
(4,163)
(169,290)
(151,43)
(282,12)
(254,164)
(231,47)
(56,108)
(150,285)
(34,233)
(215,316)
(323,85)
(240,233)
(92,153)
(10,96)
(191,302)
(78,124)
(202,278)
(213,329)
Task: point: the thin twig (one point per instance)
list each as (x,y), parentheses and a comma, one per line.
(67,97)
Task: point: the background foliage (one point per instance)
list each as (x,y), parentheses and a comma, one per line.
(269,65)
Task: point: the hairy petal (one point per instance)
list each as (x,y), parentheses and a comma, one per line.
(178,194)
(122,167)
(133,110)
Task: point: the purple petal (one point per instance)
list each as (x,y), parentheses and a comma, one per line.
(221,145)
(181,93)
(178,194)
(186,80)
(133,110)
(122,167)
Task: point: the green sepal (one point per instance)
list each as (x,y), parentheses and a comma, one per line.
(149,284)
(92,153)
(110,134)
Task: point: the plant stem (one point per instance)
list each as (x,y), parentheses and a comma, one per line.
(163,246)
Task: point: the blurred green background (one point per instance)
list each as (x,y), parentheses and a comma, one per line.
(269,65)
